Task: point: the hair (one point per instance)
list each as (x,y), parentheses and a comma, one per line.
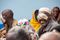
(58,19)
(50,36)
(57,28)
(19,35)
(8,20)
(57,13)
(56,8)
(36,13)
(8,10)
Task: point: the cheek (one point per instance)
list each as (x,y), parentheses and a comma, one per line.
(55,13)
(3,20)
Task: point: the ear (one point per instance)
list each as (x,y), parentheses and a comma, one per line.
(36,13)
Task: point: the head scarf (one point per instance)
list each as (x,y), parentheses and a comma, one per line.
(43,13)
(35,24)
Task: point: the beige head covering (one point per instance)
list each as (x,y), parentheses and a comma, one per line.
(42,14)
(44,9)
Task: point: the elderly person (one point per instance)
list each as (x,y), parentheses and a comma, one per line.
(38,18)
(50,36)
(47,23)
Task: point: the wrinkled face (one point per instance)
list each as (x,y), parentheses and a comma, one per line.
(42,18)
(55,12)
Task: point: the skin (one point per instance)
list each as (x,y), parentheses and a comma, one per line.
(7,20)
(48,36)
(55,13)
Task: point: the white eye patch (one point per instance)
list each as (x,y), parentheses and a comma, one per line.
(44,9)
(2,19)
(1,16)
(42,16)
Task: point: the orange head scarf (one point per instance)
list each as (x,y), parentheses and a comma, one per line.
(35,24)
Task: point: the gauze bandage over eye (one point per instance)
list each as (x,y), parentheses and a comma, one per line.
(1,16)
(42,16)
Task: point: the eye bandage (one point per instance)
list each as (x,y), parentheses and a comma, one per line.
(1,16)
(42,16)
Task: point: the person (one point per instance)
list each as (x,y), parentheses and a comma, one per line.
(36,19)
(43,17)
(50,36)
(58,19)
(18,35)
(34,22)
(56,29)
(24,24)
(8,20)
(55,13)
(46,21)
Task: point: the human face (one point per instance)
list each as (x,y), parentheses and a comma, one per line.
(4,17)
(42,18)
(3,20)
(55,12)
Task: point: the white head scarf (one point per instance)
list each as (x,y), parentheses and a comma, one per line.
(42,14)
(44,9)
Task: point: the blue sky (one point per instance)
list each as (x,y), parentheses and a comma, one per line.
(24,8)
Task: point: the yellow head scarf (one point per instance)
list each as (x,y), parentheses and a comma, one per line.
(35,24)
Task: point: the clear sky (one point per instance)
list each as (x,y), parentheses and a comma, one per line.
(24,8)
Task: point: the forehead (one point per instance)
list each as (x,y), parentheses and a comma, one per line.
(6,13)
(55,9)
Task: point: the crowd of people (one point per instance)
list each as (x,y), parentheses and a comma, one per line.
(44,25)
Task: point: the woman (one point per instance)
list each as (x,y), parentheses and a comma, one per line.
(8,20)
(55,13)
(34,22)
(58,18)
